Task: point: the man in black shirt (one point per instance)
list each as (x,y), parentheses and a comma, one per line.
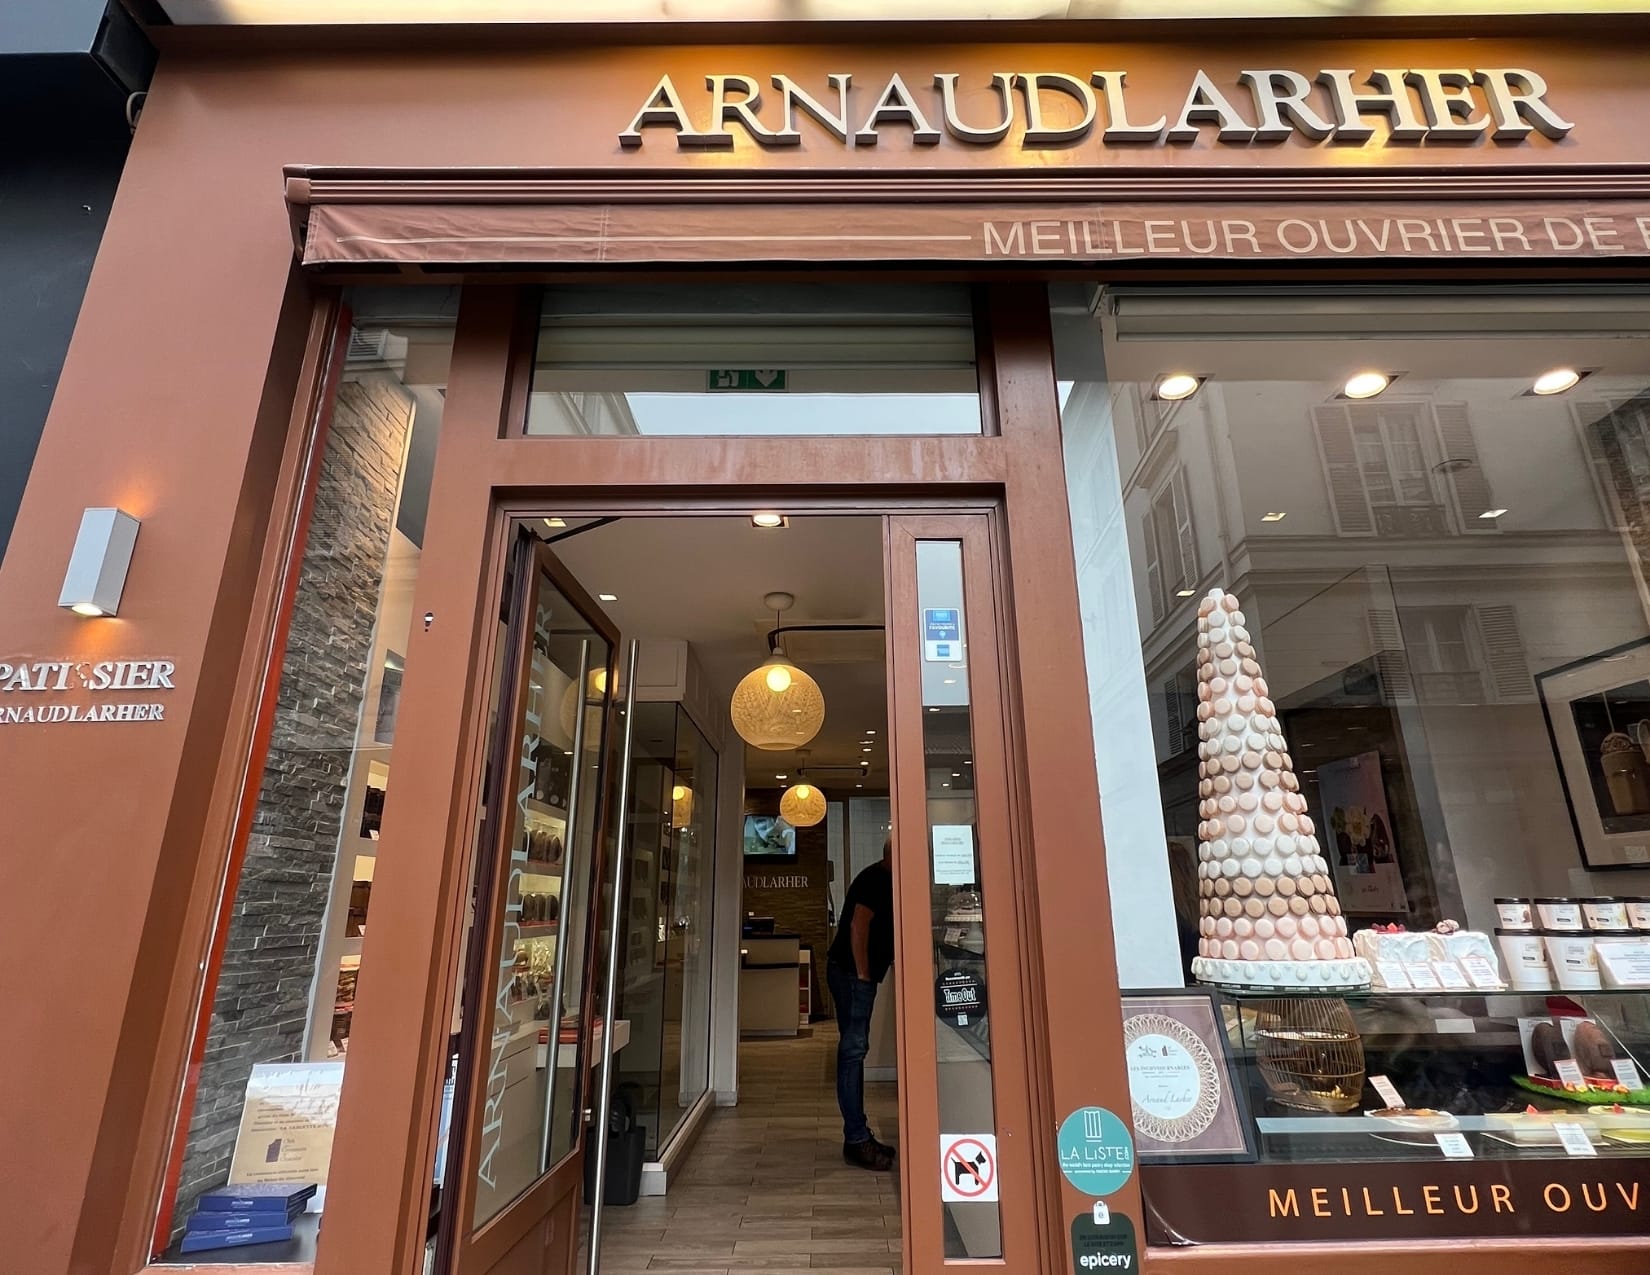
(858,959)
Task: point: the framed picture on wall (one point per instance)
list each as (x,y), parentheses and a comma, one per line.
(1598,718)
(1186,1103)
(1358,836)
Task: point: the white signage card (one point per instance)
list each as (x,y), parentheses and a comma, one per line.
(968,1167)
(1627,1073)
(1387,1090)
(1569,1071)
(1450,976)
(1624,962)
(1421,976)
(1481,972)
(286,1125)
(1573,1138)
(1455,1145)
(1393,976)
(954,854)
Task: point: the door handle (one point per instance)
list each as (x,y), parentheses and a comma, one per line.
(610,999)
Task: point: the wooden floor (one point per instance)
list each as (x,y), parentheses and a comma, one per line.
(765,1188)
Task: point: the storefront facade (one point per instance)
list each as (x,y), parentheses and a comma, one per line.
(1221,203)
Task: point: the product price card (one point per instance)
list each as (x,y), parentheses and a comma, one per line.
(1450,975)
(1393,976)
(1421,976)
(1627,1073)
(1569,1071)
(1481,972)
(1387,1090)
(1454,1145)
(1573,1138)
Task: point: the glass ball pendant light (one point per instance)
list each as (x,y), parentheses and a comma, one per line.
(776,706)
(681,806)
(595,693)
(802,806)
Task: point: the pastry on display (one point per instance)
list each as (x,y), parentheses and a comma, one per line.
(1420,1118)
(1448,944)
(1532,1127)
(1268,914)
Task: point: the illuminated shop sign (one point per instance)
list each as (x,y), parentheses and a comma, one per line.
(1054,108)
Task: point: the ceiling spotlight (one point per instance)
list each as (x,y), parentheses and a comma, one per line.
(870,730)
(1366,384)
(1556,381)
(769,519)
(1184,593)
(1177,385)
(1492,513)
(781,776)
(1276,516)
(555,523)
(865,750)
(608,597)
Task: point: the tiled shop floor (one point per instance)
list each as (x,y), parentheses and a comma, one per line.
(764,1188)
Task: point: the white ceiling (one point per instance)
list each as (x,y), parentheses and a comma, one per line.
(702,579)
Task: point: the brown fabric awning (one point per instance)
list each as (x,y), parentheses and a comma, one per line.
(571,234)
(458,221)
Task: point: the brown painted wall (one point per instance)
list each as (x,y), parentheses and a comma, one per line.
(174,405)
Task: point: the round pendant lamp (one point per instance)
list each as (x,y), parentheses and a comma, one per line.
(802,806)
(776,706)
(595,692)
(681,806)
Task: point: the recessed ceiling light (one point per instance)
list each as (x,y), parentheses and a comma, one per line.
(1366,384)
(608,597)
(945,785)
(781,776)
(1177,385)
(1184,593)
(768,519)
(1276,516)
(1492,513)
(950,681)
(933,710)
(1556,381)
(554,523)
(865,750)
(870,730)
(859,785)
(956,774)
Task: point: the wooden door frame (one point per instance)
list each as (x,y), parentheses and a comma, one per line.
(486,473)
(472,1246)
(1025,1203)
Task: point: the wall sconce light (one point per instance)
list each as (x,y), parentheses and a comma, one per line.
(97,568)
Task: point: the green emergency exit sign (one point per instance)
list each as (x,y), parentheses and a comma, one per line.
(744,380)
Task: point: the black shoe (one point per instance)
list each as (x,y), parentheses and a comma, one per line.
(869,1154)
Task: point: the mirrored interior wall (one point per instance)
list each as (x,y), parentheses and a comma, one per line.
(1434,509)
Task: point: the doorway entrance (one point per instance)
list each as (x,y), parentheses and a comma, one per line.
(680,787)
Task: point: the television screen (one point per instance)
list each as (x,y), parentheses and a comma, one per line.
(768,835)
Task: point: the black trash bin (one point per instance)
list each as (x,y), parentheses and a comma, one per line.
(626,1143)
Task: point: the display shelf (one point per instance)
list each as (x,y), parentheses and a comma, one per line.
(544,930)
(543,815)
(544,868)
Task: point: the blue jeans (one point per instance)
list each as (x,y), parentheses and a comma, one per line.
(853,998)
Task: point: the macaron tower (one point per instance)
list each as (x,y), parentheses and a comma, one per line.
(1268,915)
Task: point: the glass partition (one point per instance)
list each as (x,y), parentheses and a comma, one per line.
(665,976)
(755,360)
(260,1108)
(1363,583)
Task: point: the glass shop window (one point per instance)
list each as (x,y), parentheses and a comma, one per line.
(755,360)
(259,1112)
(1363,578)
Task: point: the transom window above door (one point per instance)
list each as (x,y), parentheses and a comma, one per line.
(806,359)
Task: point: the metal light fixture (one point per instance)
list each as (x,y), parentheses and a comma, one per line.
(1365,384)
(1556,381)
(97,567)
(776,706)
(803,805)
(1177,385)
(769,520)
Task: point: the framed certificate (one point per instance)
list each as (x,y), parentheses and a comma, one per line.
(1187,1105)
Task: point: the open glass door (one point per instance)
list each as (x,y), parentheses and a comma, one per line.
(971,1191)
(534,1034)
